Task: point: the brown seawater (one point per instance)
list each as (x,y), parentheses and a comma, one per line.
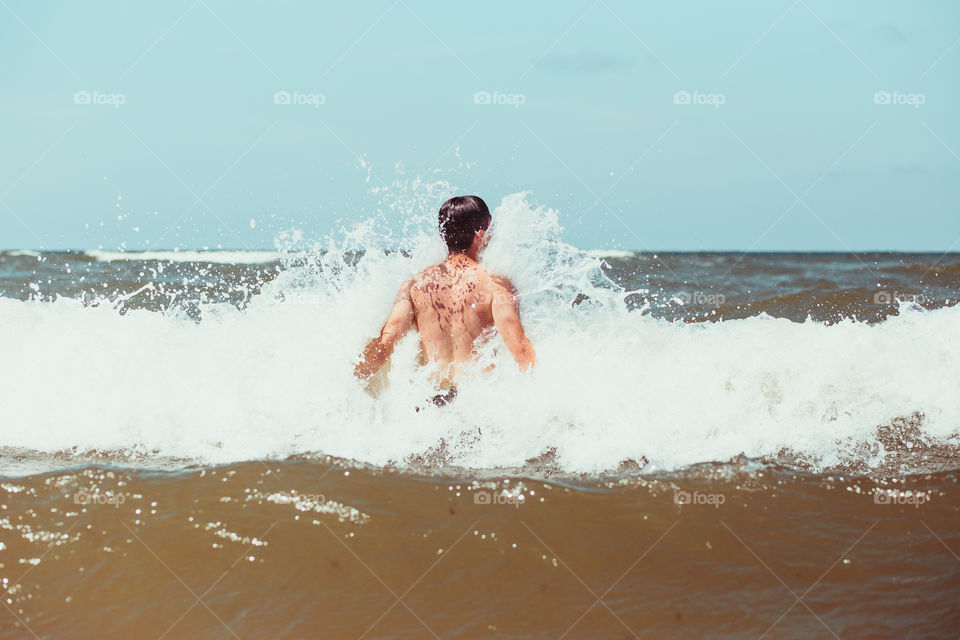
(713,445)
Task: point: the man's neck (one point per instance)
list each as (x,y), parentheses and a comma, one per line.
(470,255)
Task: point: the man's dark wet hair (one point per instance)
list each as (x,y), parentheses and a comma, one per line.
(459,220)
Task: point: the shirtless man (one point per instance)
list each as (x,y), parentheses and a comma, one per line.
(453,303)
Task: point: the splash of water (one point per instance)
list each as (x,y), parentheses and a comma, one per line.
(274,377)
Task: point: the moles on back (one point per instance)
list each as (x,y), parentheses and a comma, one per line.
(452,302)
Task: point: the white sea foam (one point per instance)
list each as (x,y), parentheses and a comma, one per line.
(276,378)
(609,253)
(202,257)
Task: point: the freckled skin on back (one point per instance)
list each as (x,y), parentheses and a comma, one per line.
(452,306)
(455,305)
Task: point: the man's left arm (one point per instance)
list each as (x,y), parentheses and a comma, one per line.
(379,350)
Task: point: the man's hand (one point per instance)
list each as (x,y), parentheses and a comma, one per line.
(506,317)
(379,350)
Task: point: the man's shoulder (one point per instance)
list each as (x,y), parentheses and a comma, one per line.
(501,281)
(477,274)
(405,288)
(427,275)
(484,278)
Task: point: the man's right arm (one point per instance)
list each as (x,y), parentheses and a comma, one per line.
(379,350)
(506,317)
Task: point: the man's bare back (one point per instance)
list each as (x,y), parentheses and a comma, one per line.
(455,304)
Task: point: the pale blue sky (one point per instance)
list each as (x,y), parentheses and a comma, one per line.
(598,119)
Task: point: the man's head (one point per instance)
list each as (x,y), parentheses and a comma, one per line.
(463,221)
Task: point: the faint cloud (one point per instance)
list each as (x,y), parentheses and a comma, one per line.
(891,33)
(585,62)
(880,173)
(910,169)
(840,173)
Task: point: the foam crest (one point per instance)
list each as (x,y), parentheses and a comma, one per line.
(275,378)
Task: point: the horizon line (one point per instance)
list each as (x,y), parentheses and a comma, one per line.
(611,250)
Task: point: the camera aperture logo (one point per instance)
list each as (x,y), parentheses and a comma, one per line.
(510,99)
(899,98)
(99,98)
(901,498)
(85,498)
(715,100)
(713,499)
(497,497)
(299,98)
(699,298)
(888,297)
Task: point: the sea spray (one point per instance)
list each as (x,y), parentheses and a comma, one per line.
(272,377)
